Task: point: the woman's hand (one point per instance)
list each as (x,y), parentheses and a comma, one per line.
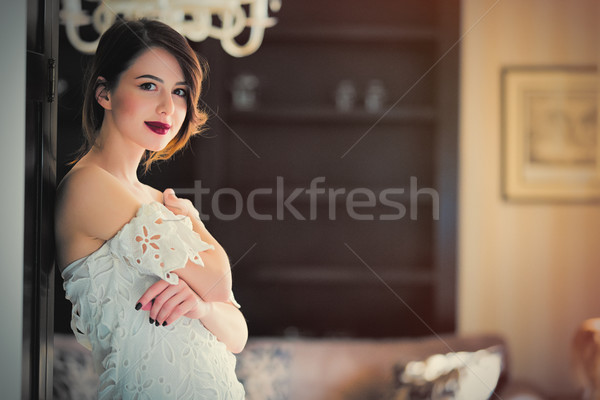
(167,303)
(179,206)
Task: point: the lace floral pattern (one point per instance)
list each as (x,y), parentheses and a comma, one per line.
(159,241)
(133,358)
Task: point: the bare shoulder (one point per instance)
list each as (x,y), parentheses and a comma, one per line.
(91,207)
(97,199)
(156,194)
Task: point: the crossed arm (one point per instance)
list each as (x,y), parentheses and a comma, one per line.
(202,292)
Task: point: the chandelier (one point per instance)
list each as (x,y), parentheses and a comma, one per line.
(197,20)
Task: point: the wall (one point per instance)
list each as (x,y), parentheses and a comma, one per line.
(12,177)
(528,271)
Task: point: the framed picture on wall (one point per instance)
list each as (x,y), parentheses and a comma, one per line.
(551,144)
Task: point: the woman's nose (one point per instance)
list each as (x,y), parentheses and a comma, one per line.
(166,105)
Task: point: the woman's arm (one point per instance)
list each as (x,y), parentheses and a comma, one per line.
(227,323)
(213,281)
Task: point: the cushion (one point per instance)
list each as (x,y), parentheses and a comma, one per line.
(455,375)
(265,371)
(73,376)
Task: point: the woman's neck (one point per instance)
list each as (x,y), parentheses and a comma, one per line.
(118,156)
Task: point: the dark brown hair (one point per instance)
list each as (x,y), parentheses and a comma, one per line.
(117,50)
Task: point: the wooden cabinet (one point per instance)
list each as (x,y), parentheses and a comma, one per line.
(371,252)
(367,255)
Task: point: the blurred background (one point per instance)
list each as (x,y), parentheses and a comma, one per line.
(298,109)
(374,96)
(368,95)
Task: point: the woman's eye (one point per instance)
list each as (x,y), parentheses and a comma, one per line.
(180,92)
(148,86)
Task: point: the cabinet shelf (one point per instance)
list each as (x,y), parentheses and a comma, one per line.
(318,274)
(352,34)
(296,127)
(330,197)
(300,114)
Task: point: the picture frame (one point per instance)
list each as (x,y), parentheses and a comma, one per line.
(551,143)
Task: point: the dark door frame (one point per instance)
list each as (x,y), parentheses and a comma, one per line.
(40,186)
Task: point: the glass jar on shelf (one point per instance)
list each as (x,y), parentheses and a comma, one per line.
(345,96)
(244,92)
(375,96)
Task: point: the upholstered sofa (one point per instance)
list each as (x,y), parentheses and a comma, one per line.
(341,369)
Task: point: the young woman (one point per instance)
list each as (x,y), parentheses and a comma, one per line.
(150,286)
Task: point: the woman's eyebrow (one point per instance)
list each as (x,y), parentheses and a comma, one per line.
(156,78)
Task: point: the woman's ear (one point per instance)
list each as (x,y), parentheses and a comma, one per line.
(102,94)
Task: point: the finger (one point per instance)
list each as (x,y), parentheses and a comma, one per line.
(162,298)
(148,305)
(151,293)
(169,197)
(174,204)
(191,307)
(170,298)
(145,302)
(172,308)
(168,193)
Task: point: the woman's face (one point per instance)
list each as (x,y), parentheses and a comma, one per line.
(149,103)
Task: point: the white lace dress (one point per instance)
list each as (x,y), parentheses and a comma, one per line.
(136,359)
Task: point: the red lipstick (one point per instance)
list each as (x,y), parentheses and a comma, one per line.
(158,127)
